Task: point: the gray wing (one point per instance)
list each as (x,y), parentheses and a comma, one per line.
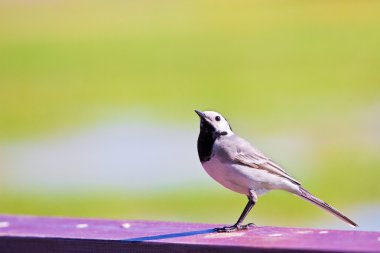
(241,151)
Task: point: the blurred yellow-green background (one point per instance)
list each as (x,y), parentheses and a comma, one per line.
(97,99)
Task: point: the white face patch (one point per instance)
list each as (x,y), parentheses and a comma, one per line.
(218,122)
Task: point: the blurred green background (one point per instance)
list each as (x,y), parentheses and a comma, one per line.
(298,78)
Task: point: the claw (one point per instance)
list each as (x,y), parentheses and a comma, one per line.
(226,229)
(233,228)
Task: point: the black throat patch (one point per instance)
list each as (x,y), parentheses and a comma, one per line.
(206,140)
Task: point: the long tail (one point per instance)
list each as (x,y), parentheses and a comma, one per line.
(316,201)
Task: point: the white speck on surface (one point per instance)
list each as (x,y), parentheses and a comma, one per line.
(275,235)
(378,239)
(82,225)
(225,235)
(304,232)
(4,224)
(323,232)
(126,225)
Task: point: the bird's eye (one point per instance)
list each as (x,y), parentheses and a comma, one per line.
(217,118)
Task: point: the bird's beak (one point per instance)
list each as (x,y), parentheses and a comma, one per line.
(200,114)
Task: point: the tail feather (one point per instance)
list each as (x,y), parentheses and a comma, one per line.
(316,201)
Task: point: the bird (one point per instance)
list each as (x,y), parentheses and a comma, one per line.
(239,166)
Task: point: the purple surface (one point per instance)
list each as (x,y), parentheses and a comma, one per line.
(31,231)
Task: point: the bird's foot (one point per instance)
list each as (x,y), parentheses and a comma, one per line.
(233,228)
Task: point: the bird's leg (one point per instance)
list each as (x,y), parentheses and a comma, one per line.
(238,225)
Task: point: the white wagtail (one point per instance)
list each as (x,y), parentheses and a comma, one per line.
(237,165)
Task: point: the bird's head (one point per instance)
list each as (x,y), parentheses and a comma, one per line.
(214,122)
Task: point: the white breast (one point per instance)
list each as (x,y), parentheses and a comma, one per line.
(242,179)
